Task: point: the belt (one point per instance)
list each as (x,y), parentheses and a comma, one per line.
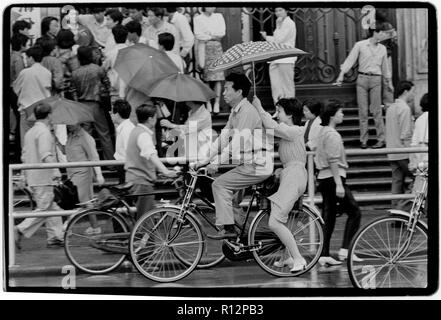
(369,74)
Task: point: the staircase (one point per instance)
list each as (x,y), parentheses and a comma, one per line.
(366,174)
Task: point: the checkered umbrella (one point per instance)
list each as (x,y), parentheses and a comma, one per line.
(251,52)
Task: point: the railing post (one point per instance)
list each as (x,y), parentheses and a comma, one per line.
(311,186)
(11,221)
(311,193)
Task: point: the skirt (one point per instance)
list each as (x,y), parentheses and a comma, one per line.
(293,180)
(213,50)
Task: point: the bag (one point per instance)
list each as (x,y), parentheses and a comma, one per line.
(66,195)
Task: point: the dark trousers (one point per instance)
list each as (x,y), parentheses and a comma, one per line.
(329,212)
(13,100)
(145,201)
(102,129)
(400,170)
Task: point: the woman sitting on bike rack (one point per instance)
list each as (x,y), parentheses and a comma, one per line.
(293,176)
(331,161)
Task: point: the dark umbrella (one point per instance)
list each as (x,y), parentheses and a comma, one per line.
(141,66)
(64,111)
(180,87)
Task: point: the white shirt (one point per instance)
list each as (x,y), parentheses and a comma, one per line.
(109,64)
(285,33)
(110,44)
(145,143)
(184,36)
(122,137)
(419,138)
(206,27)
(32,84)
(178,61)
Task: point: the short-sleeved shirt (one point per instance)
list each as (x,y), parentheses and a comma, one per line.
(80,147)
(87,82)
(33,84)
(99,30)
(122,137)
(38,145)
(399,126)
(151,35)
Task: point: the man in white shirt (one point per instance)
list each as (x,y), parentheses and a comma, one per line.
(113,17)
(124,126)
(166,42)
(244,139)
(399,127)
(136,14)
(142,160)
(185,37)
(119,33)
(32,84)
(158,26)
(96,23)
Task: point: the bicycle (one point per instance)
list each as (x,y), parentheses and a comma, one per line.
(393,248)
(106,251)
(167,243)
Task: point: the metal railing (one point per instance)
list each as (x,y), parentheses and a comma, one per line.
(312,199)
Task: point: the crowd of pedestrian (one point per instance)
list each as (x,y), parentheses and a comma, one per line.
(77,62)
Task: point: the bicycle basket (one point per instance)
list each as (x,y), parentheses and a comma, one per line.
(106,200)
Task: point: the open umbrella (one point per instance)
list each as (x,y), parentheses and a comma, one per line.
(141,66)
(64,111)
(180,87)
(251,52)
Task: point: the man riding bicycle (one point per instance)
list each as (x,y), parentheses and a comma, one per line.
(244,140)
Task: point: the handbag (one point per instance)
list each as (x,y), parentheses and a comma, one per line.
(66,195)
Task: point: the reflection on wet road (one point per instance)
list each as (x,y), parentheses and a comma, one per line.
(244,274)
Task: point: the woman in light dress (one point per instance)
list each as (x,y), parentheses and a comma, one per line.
(293,176)
(209,29)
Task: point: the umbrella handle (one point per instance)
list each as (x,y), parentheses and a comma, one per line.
(254,80)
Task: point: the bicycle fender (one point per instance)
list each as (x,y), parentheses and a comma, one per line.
(406,214)
(314,210)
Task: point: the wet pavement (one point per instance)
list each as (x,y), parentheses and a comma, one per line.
(38,266)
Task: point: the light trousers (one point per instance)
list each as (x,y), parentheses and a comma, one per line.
(226,191)
(44,197)
(282,80)
(369,97)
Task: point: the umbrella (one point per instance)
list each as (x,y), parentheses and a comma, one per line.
(141,66)
(64,111)
(251,52)
(180,87)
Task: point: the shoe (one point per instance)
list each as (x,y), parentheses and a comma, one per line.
(11,137)
(379,145)
(282,263)
(17,236)
(364,145)
(328,261)
(57,243)
(216,108)
(223,234)
(298,266)
(343,255)
(92,231)
(209,107)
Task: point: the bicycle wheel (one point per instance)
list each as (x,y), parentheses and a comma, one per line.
(378,244)
(101,253)
(163,252)
(307,231)
(212,254)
